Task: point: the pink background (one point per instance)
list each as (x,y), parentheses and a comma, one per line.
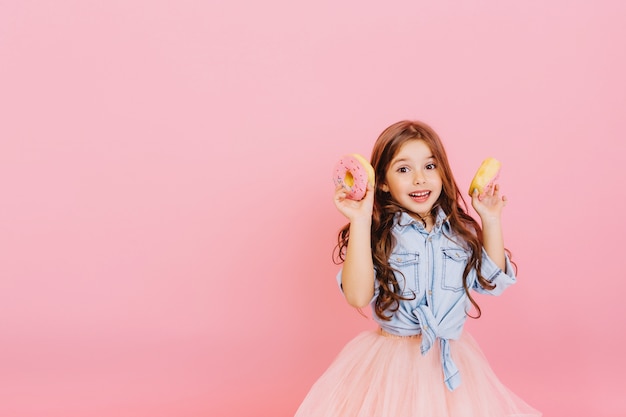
(166,214)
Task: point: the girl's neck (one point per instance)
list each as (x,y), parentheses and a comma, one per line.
(426,219)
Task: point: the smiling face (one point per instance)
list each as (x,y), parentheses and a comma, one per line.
(413,178)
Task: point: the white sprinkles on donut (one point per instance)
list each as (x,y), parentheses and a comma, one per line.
(353,172)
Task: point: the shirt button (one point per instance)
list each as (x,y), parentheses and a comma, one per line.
(430,292)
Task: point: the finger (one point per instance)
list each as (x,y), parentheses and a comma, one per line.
(369,194)
(340,194)
(496,189)
(475,195)
(485,193)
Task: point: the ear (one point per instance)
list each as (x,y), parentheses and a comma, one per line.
(384,187)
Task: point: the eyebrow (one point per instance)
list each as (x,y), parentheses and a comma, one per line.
(395,161)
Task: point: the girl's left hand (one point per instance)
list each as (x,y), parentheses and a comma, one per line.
(489,203)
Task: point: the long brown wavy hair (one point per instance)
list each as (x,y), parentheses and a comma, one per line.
(466,229)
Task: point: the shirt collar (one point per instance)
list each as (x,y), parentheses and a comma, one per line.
(403,220)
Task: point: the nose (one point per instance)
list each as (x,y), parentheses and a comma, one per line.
(419,178)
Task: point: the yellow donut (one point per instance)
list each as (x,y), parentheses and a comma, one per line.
(487,173)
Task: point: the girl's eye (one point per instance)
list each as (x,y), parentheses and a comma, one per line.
(403,169)
(431,166)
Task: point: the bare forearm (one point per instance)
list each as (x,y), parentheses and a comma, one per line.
(493,241)
(358,268)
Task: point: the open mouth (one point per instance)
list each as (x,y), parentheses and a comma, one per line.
(420,196)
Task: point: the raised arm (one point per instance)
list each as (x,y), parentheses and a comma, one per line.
(358,267)
(489,206)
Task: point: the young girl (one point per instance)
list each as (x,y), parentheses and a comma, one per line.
(412,252)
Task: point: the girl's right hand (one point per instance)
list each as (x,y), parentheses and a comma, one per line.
(355,210)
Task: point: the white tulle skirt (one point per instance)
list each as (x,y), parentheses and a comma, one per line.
(378,375)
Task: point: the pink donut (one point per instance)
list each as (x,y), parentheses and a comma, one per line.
(354,172)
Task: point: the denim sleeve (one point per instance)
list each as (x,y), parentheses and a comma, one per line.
(376,284)
(492,273)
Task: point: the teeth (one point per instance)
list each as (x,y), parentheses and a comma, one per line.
(422,194)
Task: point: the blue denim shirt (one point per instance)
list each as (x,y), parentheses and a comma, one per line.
(432,267)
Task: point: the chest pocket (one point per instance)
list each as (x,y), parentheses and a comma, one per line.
(407,264)
(454,261)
